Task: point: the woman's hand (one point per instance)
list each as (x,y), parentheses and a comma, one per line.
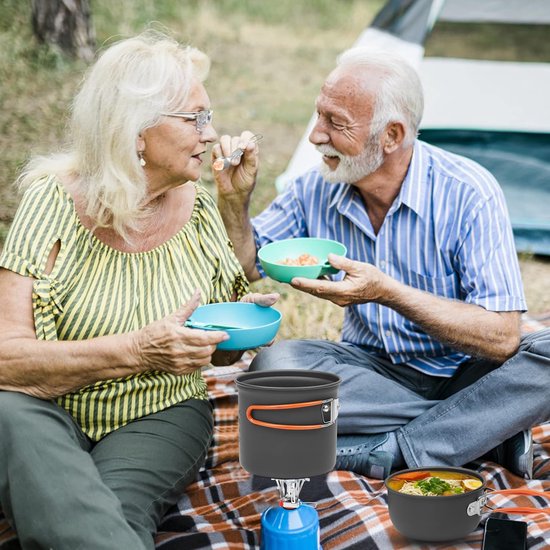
(239,179)
(166,345)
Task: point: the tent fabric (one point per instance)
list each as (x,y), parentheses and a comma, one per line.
(532,12)
(507,99)
(406,19)
(485,95)
(521,163)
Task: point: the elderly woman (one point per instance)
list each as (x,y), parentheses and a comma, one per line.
(104,416)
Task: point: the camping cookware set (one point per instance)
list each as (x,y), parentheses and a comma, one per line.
(287,422)
(287,432)
(445,518)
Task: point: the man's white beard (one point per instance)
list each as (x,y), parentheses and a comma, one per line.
(351,169)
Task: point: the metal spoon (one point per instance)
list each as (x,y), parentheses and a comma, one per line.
(221,163)
(191,323)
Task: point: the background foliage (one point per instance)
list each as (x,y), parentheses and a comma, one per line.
(269,59)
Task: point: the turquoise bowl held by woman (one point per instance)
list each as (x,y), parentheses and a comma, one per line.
(251,325)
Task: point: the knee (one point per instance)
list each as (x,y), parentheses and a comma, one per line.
(14,421)
(282,355)
(534,352)
(14,408)
(23,416)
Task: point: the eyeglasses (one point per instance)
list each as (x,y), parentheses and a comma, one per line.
(202,118)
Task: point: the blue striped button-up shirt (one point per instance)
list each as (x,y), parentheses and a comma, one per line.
(447,233)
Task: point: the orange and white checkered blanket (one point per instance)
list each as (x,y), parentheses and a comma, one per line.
(222,508)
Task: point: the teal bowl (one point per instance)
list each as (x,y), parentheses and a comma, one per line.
(271,255)
(257,325)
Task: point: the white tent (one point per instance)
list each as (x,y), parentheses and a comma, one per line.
(496,112)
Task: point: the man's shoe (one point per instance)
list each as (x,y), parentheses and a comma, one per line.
(357,454)
(515,454)
(518,454)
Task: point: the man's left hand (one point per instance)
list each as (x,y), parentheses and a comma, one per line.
(264,300)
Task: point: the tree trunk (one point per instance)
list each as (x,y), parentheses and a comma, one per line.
(66,24)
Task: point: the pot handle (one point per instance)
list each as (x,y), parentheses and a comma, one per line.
(521,509)
(329,413)
(475,508)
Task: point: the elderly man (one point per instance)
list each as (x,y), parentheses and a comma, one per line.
(431,286)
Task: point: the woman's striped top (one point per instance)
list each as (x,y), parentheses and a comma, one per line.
(95,290)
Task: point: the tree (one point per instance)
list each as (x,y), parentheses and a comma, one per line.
(66,24)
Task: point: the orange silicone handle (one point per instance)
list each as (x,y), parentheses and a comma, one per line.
(284,406)
(528,492)
(521,509)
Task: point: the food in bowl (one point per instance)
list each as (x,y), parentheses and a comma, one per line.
(272,255)
(433,483)
(302,259)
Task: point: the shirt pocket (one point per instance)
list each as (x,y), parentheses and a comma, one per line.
(446,285)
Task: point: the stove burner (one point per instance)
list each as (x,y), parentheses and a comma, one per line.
(289,492)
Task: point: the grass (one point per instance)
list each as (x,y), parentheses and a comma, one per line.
(269,59)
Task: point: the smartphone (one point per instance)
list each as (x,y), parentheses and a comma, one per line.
(504,534)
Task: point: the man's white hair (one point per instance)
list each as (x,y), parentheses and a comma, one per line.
(400,97)
(123,93)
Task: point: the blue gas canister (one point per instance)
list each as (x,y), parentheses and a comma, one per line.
(290,529)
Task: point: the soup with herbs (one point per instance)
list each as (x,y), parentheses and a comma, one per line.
(433,483)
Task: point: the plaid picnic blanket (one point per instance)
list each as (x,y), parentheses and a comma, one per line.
(222,508)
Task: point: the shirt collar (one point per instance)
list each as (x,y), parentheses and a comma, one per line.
(414,191)
(343,195)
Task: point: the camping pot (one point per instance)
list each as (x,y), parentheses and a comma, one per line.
(445,518)
(287,422)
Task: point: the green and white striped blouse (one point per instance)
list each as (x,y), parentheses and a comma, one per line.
(95,290)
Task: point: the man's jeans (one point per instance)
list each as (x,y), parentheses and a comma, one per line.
(437,421)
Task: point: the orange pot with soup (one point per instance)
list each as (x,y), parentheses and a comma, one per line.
(443,504)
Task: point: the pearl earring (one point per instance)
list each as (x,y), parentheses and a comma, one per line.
(141,159)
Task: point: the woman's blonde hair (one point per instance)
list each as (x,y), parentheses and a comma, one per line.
(123,93)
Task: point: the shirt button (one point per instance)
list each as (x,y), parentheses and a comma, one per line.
(388,333)
(382,264)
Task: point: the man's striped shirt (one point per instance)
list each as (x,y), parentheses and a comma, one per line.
(447,233)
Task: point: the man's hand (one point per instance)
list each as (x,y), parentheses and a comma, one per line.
(362,283)
(235,185)
(465,327)
(264,300)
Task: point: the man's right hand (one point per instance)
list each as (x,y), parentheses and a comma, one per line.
(362,283)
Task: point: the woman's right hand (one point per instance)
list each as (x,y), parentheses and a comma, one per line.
(166,345)
(239,179)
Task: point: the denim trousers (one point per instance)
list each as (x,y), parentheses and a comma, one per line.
(61,491)
(437,421)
